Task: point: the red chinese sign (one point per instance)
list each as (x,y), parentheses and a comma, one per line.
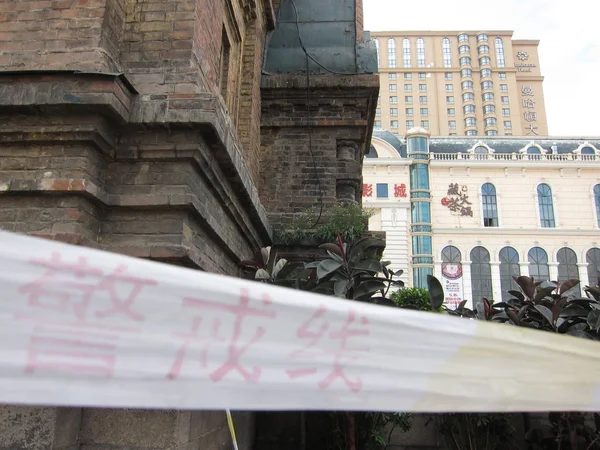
(400,190)
(367,190)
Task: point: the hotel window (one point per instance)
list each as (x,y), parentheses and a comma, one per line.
(471,133)
(502,75)
(449,88)
(487,85)
(504,99)
(509,268)
(592,257)
(408,99)
(485,61)
(504,87)
(410,124)
(567,269)
(378,111)
(447,52)
(448,76)
(392,76)
(409,111)
(468,96)
(425,123)
(378,124)
(451,134)
(378,100)
(382,190)
(538,264)
(463,38)
(407,87)
(499,52)
(394,124)
(422,75)
(483,49)
(423,99)
(464,50)
(422,88)
(393,87)
(420,52)
(469,109)
(488,96)
(452,124)
(489,109)
(466,73)
(467,84)
(450,99)
(424,111)
(506,112)
(451,112)
(393,99)
(489,205)
(377,49)
(507,124)
(490,122)
(393,112)
(491,133)
(482,37)
(408,76)
(546,206)
(597,202)
(470,122)
(464,61)
(486,73)
(481,275)
(391,53)
(508,134)
(406,52)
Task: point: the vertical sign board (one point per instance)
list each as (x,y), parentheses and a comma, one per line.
(452,282)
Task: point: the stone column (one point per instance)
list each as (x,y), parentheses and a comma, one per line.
(524,268)
(496,285)
(584,276)
(437,269)
(468,294)
(553,266)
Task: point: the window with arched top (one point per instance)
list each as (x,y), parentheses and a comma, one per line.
(592,257)
(509,268)
(377,49)
(372,153)
(588,151)
(538,264)
(391,53)
(567,268)
(481,275)
(546,206)
(597,203)
(489,205)
(447,52)
(406,52)
(420,52)
(500,62)
(480,149)
(451,255)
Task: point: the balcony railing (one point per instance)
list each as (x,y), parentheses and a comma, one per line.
(511,157)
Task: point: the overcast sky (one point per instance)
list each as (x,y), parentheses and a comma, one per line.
(569,45)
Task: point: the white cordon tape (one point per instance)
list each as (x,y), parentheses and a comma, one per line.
(81,327)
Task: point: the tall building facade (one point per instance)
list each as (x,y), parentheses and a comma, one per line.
(476,83)
(486,208)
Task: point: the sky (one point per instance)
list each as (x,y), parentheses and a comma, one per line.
(569,45)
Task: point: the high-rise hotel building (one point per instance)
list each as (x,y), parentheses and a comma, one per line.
(476,83)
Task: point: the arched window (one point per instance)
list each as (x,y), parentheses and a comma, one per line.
(499,53)
(538,264)
(391,53)
(377,48)
(372,153)
(546,206)
(509,268)
(597,203)
(481,275)
(588,151)
(446,50)
(567,268)
(489,205)
(593,259)
(406,51)
(451,255)
(480,150)
(420,52)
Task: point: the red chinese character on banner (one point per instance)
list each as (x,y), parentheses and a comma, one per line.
(235,348)
(334,344)
(71,335)
(400,190)
(367,190)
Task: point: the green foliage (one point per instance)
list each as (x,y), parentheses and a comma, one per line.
(375,428)
(412,298)
(476,431)
(348,221)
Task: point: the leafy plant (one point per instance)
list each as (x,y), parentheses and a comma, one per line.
(348,221)
(267,269)
(479,431)
(412,298)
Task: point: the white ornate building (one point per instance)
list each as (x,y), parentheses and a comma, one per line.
(497,207)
